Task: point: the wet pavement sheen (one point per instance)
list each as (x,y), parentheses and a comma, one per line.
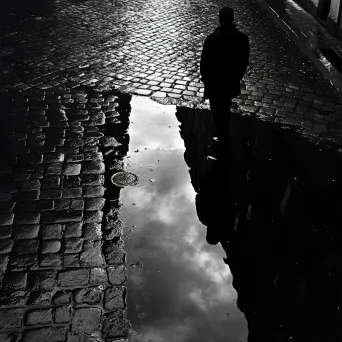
(63,122)
(310,35)
(179,288)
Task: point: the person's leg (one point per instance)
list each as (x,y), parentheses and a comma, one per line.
(220,109)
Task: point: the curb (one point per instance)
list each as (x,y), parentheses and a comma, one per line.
(315,56)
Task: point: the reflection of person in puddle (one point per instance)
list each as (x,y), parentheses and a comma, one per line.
(216,202)
(224,61)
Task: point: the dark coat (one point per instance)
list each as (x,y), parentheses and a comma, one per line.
(224,61)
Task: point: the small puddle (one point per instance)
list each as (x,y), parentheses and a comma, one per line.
(179,288)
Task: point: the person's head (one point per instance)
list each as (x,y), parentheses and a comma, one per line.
(226,15)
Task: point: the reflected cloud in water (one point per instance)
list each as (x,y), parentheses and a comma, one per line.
(183,290)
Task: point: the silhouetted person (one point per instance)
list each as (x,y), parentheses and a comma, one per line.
(224,61)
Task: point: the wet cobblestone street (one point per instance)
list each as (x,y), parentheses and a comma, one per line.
(68,69)
(153,48)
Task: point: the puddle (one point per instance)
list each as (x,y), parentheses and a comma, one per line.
(179,288)
(272,202)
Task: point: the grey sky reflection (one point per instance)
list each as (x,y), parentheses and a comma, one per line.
(183,291)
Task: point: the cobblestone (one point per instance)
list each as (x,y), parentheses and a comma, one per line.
(93,191)
(117,275)
(53,334)
(90,295)
(92,231)
(114,298)
(39,316)
(62,297)
(86,320)
(11,318)
(98,275)
(62,314)
(77,277)
(57,100)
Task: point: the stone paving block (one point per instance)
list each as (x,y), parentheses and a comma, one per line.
(72,192)
(114,298)
(62,204)
(77,204)
(27,218)
(51,194)
(62,297)
(51,182)
(115,325)
(74,143)
(6,206)
(71,260)
(62,216)
(94,203)
(92,231)
(71,181)
(86,320)
(11,318)
(73,229)
(159,94)
(28,185)
(97,119)
(45,205)
(98,275)
(117,275)
(72,278)
(93,191)
(25,207)
(6,219)
(71,169)
(53,157)
(93,216)
(113,228)
(6,246)
(50,246)
(51,231)
(109,142)
(72,245)
(38,317)
(94,156)
(73,157)
(54,168)
(8,337)
(13,297)
(114,253)
(50,260)
(93,180)
(26,246)
(90,295)
(15,281)
(31,159)
(93,168)
(43,280)
(92,254)
(5,232)
(51,334)
(3,263)
(62,314)
(40,297)
(22,262)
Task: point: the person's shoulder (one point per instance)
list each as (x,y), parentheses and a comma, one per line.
(211,37)
(213,34)
(241,34)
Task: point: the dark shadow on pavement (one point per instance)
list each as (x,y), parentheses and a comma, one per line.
(273,203)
